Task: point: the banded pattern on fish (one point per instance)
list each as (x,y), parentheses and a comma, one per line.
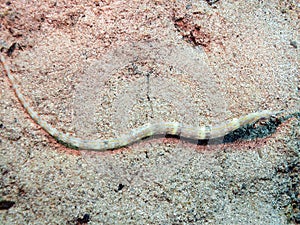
(164,128)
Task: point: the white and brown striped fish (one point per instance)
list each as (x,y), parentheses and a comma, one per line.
(171,128)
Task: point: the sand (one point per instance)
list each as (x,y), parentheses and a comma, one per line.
(97,69)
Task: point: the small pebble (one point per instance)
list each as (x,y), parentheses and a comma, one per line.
(294,44)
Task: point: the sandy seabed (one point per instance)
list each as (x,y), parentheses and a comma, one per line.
(97,69)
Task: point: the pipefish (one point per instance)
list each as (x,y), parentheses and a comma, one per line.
(134,135)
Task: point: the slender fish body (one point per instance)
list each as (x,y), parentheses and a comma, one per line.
(171,128)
